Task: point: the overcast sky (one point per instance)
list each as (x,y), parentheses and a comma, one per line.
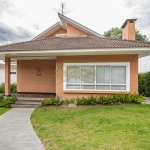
(21,20)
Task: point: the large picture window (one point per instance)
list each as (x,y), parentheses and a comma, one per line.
(97,76)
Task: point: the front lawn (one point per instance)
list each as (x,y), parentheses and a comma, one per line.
(3,110)
(93,128)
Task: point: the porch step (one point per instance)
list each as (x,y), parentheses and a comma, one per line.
(30,98)
(27,102)
(24,106)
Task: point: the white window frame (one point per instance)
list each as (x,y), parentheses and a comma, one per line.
(126,64)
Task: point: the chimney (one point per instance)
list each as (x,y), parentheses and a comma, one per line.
(128,29)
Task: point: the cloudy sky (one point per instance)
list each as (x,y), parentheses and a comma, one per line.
(21,20)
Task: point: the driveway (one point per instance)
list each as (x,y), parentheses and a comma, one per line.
(16,131)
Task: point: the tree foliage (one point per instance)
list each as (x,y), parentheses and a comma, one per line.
(117,33)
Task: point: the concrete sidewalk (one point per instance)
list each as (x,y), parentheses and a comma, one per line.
(16,131)
(146,101)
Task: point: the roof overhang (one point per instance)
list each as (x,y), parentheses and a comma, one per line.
(52,54)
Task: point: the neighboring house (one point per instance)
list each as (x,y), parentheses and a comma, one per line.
(13,72)
(144,64)
(71,60)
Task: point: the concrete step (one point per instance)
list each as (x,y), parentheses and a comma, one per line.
(29,98)
(27,102)
(24,106)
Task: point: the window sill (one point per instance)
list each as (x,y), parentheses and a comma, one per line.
(94,91)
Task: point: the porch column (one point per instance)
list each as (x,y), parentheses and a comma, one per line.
(7,76)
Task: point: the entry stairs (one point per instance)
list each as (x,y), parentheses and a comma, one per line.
(27,102)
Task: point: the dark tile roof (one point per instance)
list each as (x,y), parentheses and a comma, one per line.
(62,43)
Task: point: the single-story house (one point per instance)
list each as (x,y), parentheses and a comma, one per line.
(72,60)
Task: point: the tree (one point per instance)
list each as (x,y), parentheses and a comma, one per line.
(117,33)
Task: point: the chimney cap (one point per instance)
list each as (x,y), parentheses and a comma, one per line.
(124,24)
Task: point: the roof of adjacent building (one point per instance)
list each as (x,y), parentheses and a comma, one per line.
(80,42)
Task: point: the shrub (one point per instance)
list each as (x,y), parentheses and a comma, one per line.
(91,100)
(71,101)
(1,97)
(13,88)
(2,88)
(111,99)
(52,101)
(7,101)
(82,101)
(101,99)
(144,84)
(135,98)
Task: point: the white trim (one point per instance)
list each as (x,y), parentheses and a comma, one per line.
(127,64)
(78,50)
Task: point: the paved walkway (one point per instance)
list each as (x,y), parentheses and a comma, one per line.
(16,131)
(147,100)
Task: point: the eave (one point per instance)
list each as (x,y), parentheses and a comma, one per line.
(52,54)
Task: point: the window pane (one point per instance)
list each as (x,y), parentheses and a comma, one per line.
(103,87)
(118,87)
(73,74)
(103,74)
(118,75)
(73,86)
(87,74)
(87,87)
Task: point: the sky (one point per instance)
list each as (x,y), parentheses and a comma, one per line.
(22,20)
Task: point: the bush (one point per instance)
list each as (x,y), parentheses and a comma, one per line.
(2,88)
(71,101)
(101,99)
(111,99)
(7,101)
(13,88)
(81,101)
(52,101)
(144,84)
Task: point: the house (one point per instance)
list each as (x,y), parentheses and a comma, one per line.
(144,64)
(12,72)
(72,60)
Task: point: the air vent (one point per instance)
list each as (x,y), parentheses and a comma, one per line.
(61,35)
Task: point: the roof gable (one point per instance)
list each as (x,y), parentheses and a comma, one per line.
(65,21)
(49,31)
(73,31)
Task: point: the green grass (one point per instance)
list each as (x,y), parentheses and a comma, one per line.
(125,127)
(3,110)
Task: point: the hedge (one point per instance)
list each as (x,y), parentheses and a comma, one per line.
(101,99)
(144,84)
